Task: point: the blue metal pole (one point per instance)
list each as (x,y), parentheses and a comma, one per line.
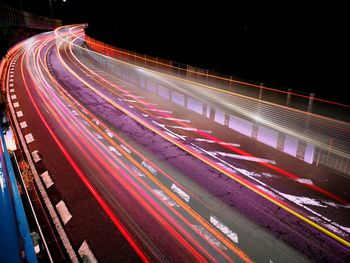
(17,203)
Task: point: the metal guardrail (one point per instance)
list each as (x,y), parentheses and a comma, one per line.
(304,104)
(307,103)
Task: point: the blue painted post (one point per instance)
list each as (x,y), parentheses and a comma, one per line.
(19,210)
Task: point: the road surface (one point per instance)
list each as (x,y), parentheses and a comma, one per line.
(151,168)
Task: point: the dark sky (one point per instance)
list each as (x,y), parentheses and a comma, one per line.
(288,44)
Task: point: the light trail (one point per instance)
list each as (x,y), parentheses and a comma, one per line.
(214,165)
(205,133)
(107,162)
(68,121)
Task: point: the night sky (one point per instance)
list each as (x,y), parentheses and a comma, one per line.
(286,45)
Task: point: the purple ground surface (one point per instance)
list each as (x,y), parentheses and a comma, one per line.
(315,245)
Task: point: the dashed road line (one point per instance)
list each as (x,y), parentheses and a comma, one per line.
(19,114)
(63,212)
(29,138)
(86,254)
(246,158)
(36,156)
(47,179)
(23,124)
(174,119)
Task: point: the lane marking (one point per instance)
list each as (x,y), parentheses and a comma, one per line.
(114,150)
(183,195)
(133,96)
(109,133)
(125,148)
(224,229)
(150,168)
(127,100)
(13,97)
(166,198)
(208,236)
(156,110)
(304,181)
(29,138)
(86,254)
(188,128)
(12,90)
(63,212)
(23,124)
(173,119)
(47,179)
(243,157)
(36,156)
(222,143)
(16,104)
(19,114)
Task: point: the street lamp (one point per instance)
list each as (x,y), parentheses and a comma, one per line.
(51,9)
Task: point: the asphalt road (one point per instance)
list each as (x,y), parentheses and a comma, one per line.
(146,176)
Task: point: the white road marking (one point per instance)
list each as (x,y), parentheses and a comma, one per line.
(86,254)
(144,115)
(36,156)
(137,171)
(47,179)
(207,235)
(302,200)
(189,129)
(166,198)
(182,137)
(134,96)
(11,80)
(63,212)
(222,143)
(98,136)
(224,229)
(114,150)
(109,133)
(29,138)
(173,119)
(246,158)
(125,148)
(11,85)
(180,192)
(13,97)
(12,90)
(127,100)
(149,167)
(86,123)
(23,124)
(16,104)
(19,114)
(304,181)
(96,122)
(164,111)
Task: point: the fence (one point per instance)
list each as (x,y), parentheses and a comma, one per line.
(332,149)
(289,98)
(16,17)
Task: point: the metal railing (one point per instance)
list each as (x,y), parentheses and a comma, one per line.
(17,17)
(307,103)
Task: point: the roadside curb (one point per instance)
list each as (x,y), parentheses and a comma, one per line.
(63,236)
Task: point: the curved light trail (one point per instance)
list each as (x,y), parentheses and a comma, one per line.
(161,213)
